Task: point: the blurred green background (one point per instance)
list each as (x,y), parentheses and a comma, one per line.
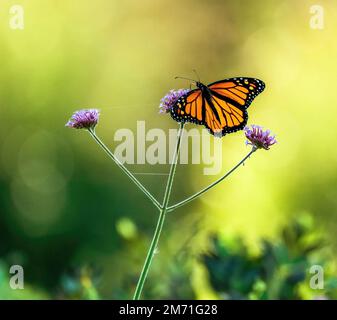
(77,224)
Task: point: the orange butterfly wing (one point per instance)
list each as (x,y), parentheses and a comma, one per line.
(189,108)
(222,107)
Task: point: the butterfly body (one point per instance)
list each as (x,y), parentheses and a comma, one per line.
(220,106)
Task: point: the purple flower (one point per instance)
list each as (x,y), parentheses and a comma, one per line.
(170,99)
(259,138)
(84,119)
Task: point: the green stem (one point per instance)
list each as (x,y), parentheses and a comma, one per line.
(126,171)
(161,219)
(199,193)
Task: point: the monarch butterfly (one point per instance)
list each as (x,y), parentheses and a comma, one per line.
(220,106)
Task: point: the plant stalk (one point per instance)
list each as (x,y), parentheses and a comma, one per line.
(124,169)
(161,219)
(199,193)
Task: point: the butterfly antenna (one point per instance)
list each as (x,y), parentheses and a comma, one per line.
(186,79)
(196,73)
